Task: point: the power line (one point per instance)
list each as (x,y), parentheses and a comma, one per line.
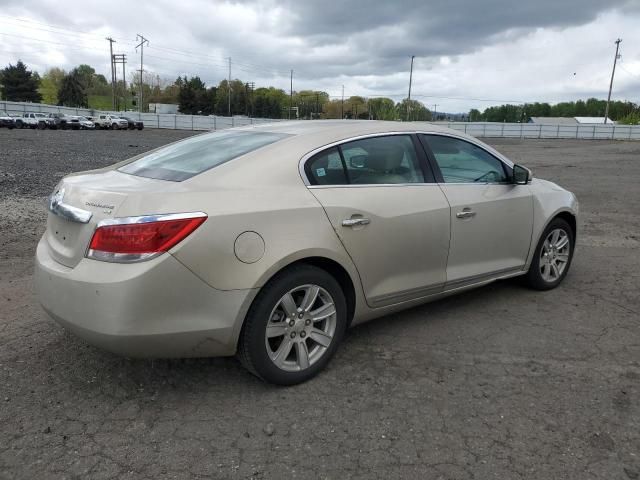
(249,67)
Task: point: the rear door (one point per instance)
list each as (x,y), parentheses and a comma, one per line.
(491,218)
(391,217)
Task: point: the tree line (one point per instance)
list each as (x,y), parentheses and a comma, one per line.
(622,112)
(83,87)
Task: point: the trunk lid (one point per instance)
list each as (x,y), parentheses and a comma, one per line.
(101,194)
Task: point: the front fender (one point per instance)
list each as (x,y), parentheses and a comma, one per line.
(549,201)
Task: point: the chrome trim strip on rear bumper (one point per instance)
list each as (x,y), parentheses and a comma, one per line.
(75,214)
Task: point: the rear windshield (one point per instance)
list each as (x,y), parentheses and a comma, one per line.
(190,157)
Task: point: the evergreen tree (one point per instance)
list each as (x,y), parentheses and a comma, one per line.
(19,84)
(72,91)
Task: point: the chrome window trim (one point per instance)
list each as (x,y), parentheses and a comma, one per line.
(477,183)
(369,185)
(134,257)
(466,138)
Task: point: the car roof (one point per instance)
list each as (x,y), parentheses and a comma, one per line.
(335,130)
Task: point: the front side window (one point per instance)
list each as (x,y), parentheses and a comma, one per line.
(464,162)
(389,159)
(185,159)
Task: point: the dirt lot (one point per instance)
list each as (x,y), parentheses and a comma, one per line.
(500,383)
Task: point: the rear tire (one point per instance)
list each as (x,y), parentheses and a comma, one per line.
(306,312)
(552,256)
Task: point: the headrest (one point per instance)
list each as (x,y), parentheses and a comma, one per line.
(385,158)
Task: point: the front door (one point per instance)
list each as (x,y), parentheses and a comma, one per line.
(491,218)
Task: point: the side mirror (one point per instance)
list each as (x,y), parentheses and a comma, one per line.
(521,175)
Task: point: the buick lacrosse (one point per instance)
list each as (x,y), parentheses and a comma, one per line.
(269,241)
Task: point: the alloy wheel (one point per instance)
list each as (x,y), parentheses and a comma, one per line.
(301,328)
(554,255)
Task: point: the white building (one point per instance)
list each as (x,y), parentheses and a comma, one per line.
(171,108)
(570,120)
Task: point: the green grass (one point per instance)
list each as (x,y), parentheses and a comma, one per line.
(100,102)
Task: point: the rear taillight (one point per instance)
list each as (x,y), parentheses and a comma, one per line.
(134,239)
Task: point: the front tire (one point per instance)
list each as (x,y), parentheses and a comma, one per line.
(294,326)
(552,257)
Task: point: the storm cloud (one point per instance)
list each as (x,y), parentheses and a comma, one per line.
(468,53)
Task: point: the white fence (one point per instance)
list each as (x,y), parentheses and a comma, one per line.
(477,129)
(536,130)
(151,120)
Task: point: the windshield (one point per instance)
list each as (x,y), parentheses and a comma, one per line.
(185,159)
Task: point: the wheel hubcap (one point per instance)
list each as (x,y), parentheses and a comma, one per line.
(554,255)
(300,328)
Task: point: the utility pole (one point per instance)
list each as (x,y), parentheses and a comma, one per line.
(435,112)
(229,87)
(342,105)
(291,95)
(141,45)
(120,58)
(113,75)
(613,72)
(409,96)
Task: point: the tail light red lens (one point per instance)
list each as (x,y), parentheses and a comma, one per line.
(141,238)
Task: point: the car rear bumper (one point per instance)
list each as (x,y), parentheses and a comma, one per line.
(157,308)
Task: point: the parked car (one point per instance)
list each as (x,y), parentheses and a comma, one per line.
(6,120)
(134,124)
(32,120)
(57,121)
(102,121)
(178,252)
(119,123)
(85,123)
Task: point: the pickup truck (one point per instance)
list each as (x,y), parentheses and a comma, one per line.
(6,120)
(110,122)
(32,120)
(59,121)
(134,124)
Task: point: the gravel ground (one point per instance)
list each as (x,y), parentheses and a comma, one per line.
(501,382)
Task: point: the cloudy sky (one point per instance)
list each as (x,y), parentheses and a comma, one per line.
(469,53)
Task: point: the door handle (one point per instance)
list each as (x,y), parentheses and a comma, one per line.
(354,222)
(466,213)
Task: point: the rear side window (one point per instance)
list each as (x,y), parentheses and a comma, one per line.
(326,168)
(387,160)
(382,160)
(191,157)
